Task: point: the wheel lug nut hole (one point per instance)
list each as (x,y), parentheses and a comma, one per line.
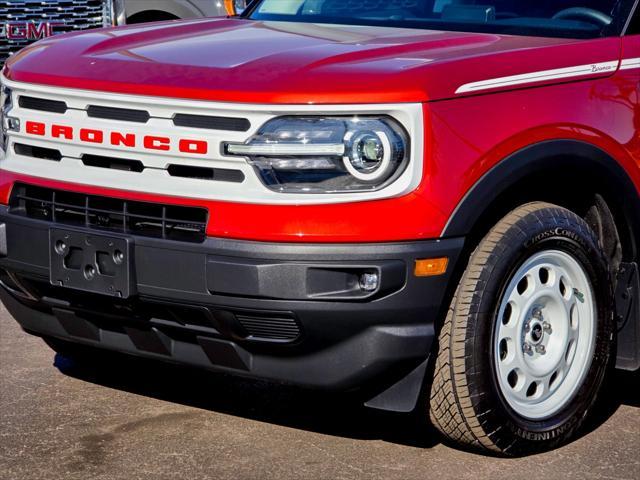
(574,317)
(565,290)
(504,349)
(523,285)
(512,378)
(508,313)
(544,275)
(570,351)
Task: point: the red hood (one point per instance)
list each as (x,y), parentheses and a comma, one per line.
(279,62)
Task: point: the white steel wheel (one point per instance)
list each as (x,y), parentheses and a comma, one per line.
(545,334)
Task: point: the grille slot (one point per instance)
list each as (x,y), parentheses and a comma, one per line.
(74,14)
(283,329)
(42,104)
(204,173)
(113,163)
(212,123)
(37,152)
(187,224)
(121,114)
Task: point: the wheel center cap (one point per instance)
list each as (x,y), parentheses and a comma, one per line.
(537,332)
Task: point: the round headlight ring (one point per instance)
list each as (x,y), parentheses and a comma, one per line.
(368,155)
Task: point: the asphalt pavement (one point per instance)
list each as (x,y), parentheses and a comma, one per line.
(139,420)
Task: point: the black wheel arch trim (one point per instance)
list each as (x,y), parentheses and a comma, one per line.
(535,159)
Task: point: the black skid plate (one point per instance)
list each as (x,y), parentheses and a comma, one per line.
(91,263)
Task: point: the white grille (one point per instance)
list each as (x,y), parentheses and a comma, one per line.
(156,176)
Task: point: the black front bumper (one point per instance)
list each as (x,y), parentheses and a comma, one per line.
(286,312)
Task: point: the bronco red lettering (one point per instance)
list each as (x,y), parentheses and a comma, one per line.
(156,143)
(193,146)
(126,140)
(35,128)
(60,131)
(93,136)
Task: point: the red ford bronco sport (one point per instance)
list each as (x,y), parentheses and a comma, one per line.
(386,196)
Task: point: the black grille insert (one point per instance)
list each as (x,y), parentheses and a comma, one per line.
(37,152)
(205,173)
(121,114)
(270,328)
(187,224)
(212,123)
(42,104)
(113,163)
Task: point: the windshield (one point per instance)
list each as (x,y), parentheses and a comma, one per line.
(552,18)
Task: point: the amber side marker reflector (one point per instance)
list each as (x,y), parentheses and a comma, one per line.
(431,267)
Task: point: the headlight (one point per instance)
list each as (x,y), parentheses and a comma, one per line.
(326,154)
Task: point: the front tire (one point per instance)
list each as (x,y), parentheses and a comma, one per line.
(528,338)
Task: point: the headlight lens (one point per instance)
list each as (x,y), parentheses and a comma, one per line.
(327,154)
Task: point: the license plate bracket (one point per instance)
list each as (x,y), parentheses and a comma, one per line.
(91,262)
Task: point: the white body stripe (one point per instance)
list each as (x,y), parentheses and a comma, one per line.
(155,178)
(630,64)
(542,76)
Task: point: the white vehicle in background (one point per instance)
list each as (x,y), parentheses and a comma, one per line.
(23,22)
(139,11)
